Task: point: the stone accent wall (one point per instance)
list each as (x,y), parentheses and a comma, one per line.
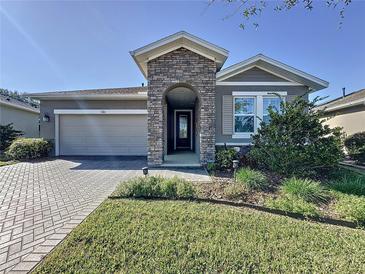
(185,68)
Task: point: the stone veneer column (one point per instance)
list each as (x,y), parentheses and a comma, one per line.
(185,68)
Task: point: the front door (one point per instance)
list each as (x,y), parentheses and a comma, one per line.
(183,133)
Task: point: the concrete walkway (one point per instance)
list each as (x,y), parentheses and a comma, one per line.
(41,202)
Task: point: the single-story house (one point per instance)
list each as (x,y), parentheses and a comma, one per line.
(189,106)
(23,116)
(347,112)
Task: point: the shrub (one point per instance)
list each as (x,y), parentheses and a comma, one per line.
(296,142)
(350,184)
(350,207)
(211,167)
(7,135)
(355,145)
(306,189)
(28,148)
(251,179)
(154,187)
(235,190)
(295,205)
(224,158)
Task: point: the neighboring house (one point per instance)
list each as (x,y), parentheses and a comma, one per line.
(23,116)
(190,106)
(347,112)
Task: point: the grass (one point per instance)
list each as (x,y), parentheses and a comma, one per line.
(138,236)
(293,204)
(155,186)
(350,207)
(305,189)
(6,163)
(354,185)
(251,179)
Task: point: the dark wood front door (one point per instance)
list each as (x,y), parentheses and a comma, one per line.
(183,137)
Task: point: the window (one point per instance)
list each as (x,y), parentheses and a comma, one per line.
(244,114)
(183,126)
(268,102)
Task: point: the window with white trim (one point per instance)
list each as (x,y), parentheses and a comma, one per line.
(244,115)
(268,102)
(248,108)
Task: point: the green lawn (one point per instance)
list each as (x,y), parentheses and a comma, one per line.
(135,236)
(6,163)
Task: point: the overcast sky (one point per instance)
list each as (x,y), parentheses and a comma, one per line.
(65,45)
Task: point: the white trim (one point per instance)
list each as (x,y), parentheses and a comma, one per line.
(233,144)
(346,105)
(257,84)
(57,134)
(256,93)
(191,126)
(10,104)
(176,36)
(244,134)
(260,57)
(259,67)
(100,111)
(57,96)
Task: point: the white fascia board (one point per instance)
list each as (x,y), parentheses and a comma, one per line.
(176,36)
(347,105)
(90,97)
(257,84)
(256,93)
(261,57)
(100,111)
(19,107)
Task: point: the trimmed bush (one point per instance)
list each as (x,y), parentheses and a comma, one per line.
(251,179)
(291,204)
(224,158)
(155,187)
(28,148)
(296,142)
(350,207)
(349,184)
(306,189)
(355,145)
(7,135)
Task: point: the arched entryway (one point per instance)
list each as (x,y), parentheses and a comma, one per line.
(181,107)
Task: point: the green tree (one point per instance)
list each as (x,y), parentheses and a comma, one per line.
(249,9)
(296,142)
(7,135)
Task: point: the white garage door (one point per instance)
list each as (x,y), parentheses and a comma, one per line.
(103,134)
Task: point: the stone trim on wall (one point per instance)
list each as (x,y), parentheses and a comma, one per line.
(181,68)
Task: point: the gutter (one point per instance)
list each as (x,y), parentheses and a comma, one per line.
(346,105)
(35,110)
(140,96)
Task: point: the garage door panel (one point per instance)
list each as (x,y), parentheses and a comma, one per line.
(103,134)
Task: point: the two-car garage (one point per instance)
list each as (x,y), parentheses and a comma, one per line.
(101,132)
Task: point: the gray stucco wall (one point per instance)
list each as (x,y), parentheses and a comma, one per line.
(23,120)
(255,75)
(292,92)
(48,107)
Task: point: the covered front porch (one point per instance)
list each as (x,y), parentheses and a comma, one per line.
(181,128)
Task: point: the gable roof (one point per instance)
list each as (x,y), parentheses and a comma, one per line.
(180,39)
(353,99)
(4,100)
(107,93)
(275,67)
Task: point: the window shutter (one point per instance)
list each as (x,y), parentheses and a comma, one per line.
(227,115)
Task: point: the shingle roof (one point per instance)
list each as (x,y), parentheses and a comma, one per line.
(17,104)
(105,91)
(347,100)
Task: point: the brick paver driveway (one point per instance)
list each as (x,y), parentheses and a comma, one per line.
(41,202)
